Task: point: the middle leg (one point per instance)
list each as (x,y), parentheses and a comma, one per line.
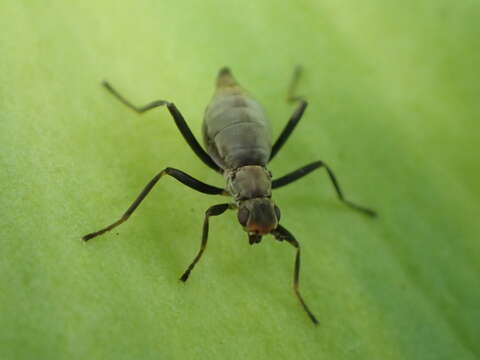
(303,171)
(184,178)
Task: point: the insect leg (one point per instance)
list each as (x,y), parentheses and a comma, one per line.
(179,121)
(212,211)
(299,173)
(296,116)
(281,233)
(288,129)
(177,174)
(297,73)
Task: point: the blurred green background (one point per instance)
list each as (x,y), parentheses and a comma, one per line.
(393,90)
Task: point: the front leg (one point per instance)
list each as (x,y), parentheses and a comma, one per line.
(280,233)
(303,171)
(215,210)
(177,174)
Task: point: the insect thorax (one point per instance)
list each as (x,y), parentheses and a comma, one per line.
(249,182)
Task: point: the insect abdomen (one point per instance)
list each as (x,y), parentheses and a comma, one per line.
(236,130)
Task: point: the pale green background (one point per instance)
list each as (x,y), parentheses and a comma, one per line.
(394,108)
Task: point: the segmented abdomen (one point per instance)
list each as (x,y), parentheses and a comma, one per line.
(236,130)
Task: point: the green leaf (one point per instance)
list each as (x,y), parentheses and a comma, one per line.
(393,108)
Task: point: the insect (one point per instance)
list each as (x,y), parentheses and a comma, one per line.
(238,140)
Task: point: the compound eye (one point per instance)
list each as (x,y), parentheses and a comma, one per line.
(277,212)
(243,215)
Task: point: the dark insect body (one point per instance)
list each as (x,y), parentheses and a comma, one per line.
(237,136)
